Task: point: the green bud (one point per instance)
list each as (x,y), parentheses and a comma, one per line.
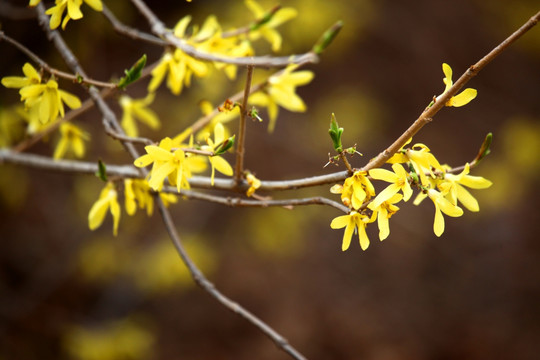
(266,18)
(224,146)
(485,148)
(326,39)
(133,74)
(102,171)
(335,133)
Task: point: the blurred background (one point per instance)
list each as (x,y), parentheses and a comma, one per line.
(69,293)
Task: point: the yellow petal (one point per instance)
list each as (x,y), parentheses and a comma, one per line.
(438,224)
(143,161)
(74,10)
(115,211)
(95,4)
(97,213)
(462,98)
(222,165)
(340,222)
(447,76)
(347,235)
(362,236)
(467,199)
(14,82)
(157,153)
(383,174)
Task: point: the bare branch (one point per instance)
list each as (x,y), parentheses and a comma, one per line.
(209,288)
(430,112)
(160,30)
(239,169)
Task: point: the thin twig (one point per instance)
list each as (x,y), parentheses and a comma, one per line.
(51,70)
(242,202)
(133,33)
(210,289)
(160,30)
(240,147)
(430,112)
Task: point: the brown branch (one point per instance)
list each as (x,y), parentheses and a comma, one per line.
(240,147)
(430,112)
(133,33)
(160,30)
(51,70)
(210,289)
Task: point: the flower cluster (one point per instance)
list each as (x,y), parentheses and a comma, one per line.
(424,172)
(73,8)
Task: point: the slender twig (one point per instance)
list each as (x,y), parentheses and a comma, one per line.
(242,202)
(430,112)
(129,31)
(51,70)
(210,289)
(240,147)
(160,30)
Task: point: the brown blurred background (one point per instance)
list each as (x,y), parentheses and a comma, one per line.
(474,293)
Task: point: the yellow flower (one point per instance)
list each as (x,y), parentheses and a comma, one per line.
(355,190)
(138,192)
(353,222)
(73,11)
(32,77)
(267,30)
(442,204)
(209,40)
(384,211)
(399,180)
(460,99)
(137,109)
(217,162)
(72,139)
(166,163)
(178,65)
(452,187)
(254,184)
(281,90)
(107,200)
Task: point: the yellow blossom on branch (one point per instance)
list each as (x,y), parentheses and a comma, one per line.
(460,99)
(453,187)
(107,201)
(217,162)
(166,164)
(253,183)
(72,140)
(267,28)
(384,211)
(355,190)
(281,91)
(73,11)
(399,180)
(136,109)
(137,193)
(352,222)
(442,205)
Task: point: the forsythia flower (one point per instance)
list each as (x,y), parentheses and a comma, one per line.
(107,200)
(399,180)
(422,160)
(254,184)
(73,11)
(281,90)
(72,138)
(267,29)
(138,192)
(166,163)
(354,221)
(460,99)
(384,211)
(355,190)
(217,162)
(452,186)
(178,65)
(137,109)
(46,98)
(442,204)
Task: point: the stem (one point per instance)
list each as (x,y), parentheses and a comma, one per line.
(240,148)
(211,290)
(160,30)
(430,112)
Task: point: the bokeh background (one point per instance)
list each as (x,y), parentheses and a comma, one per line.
(69,293)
